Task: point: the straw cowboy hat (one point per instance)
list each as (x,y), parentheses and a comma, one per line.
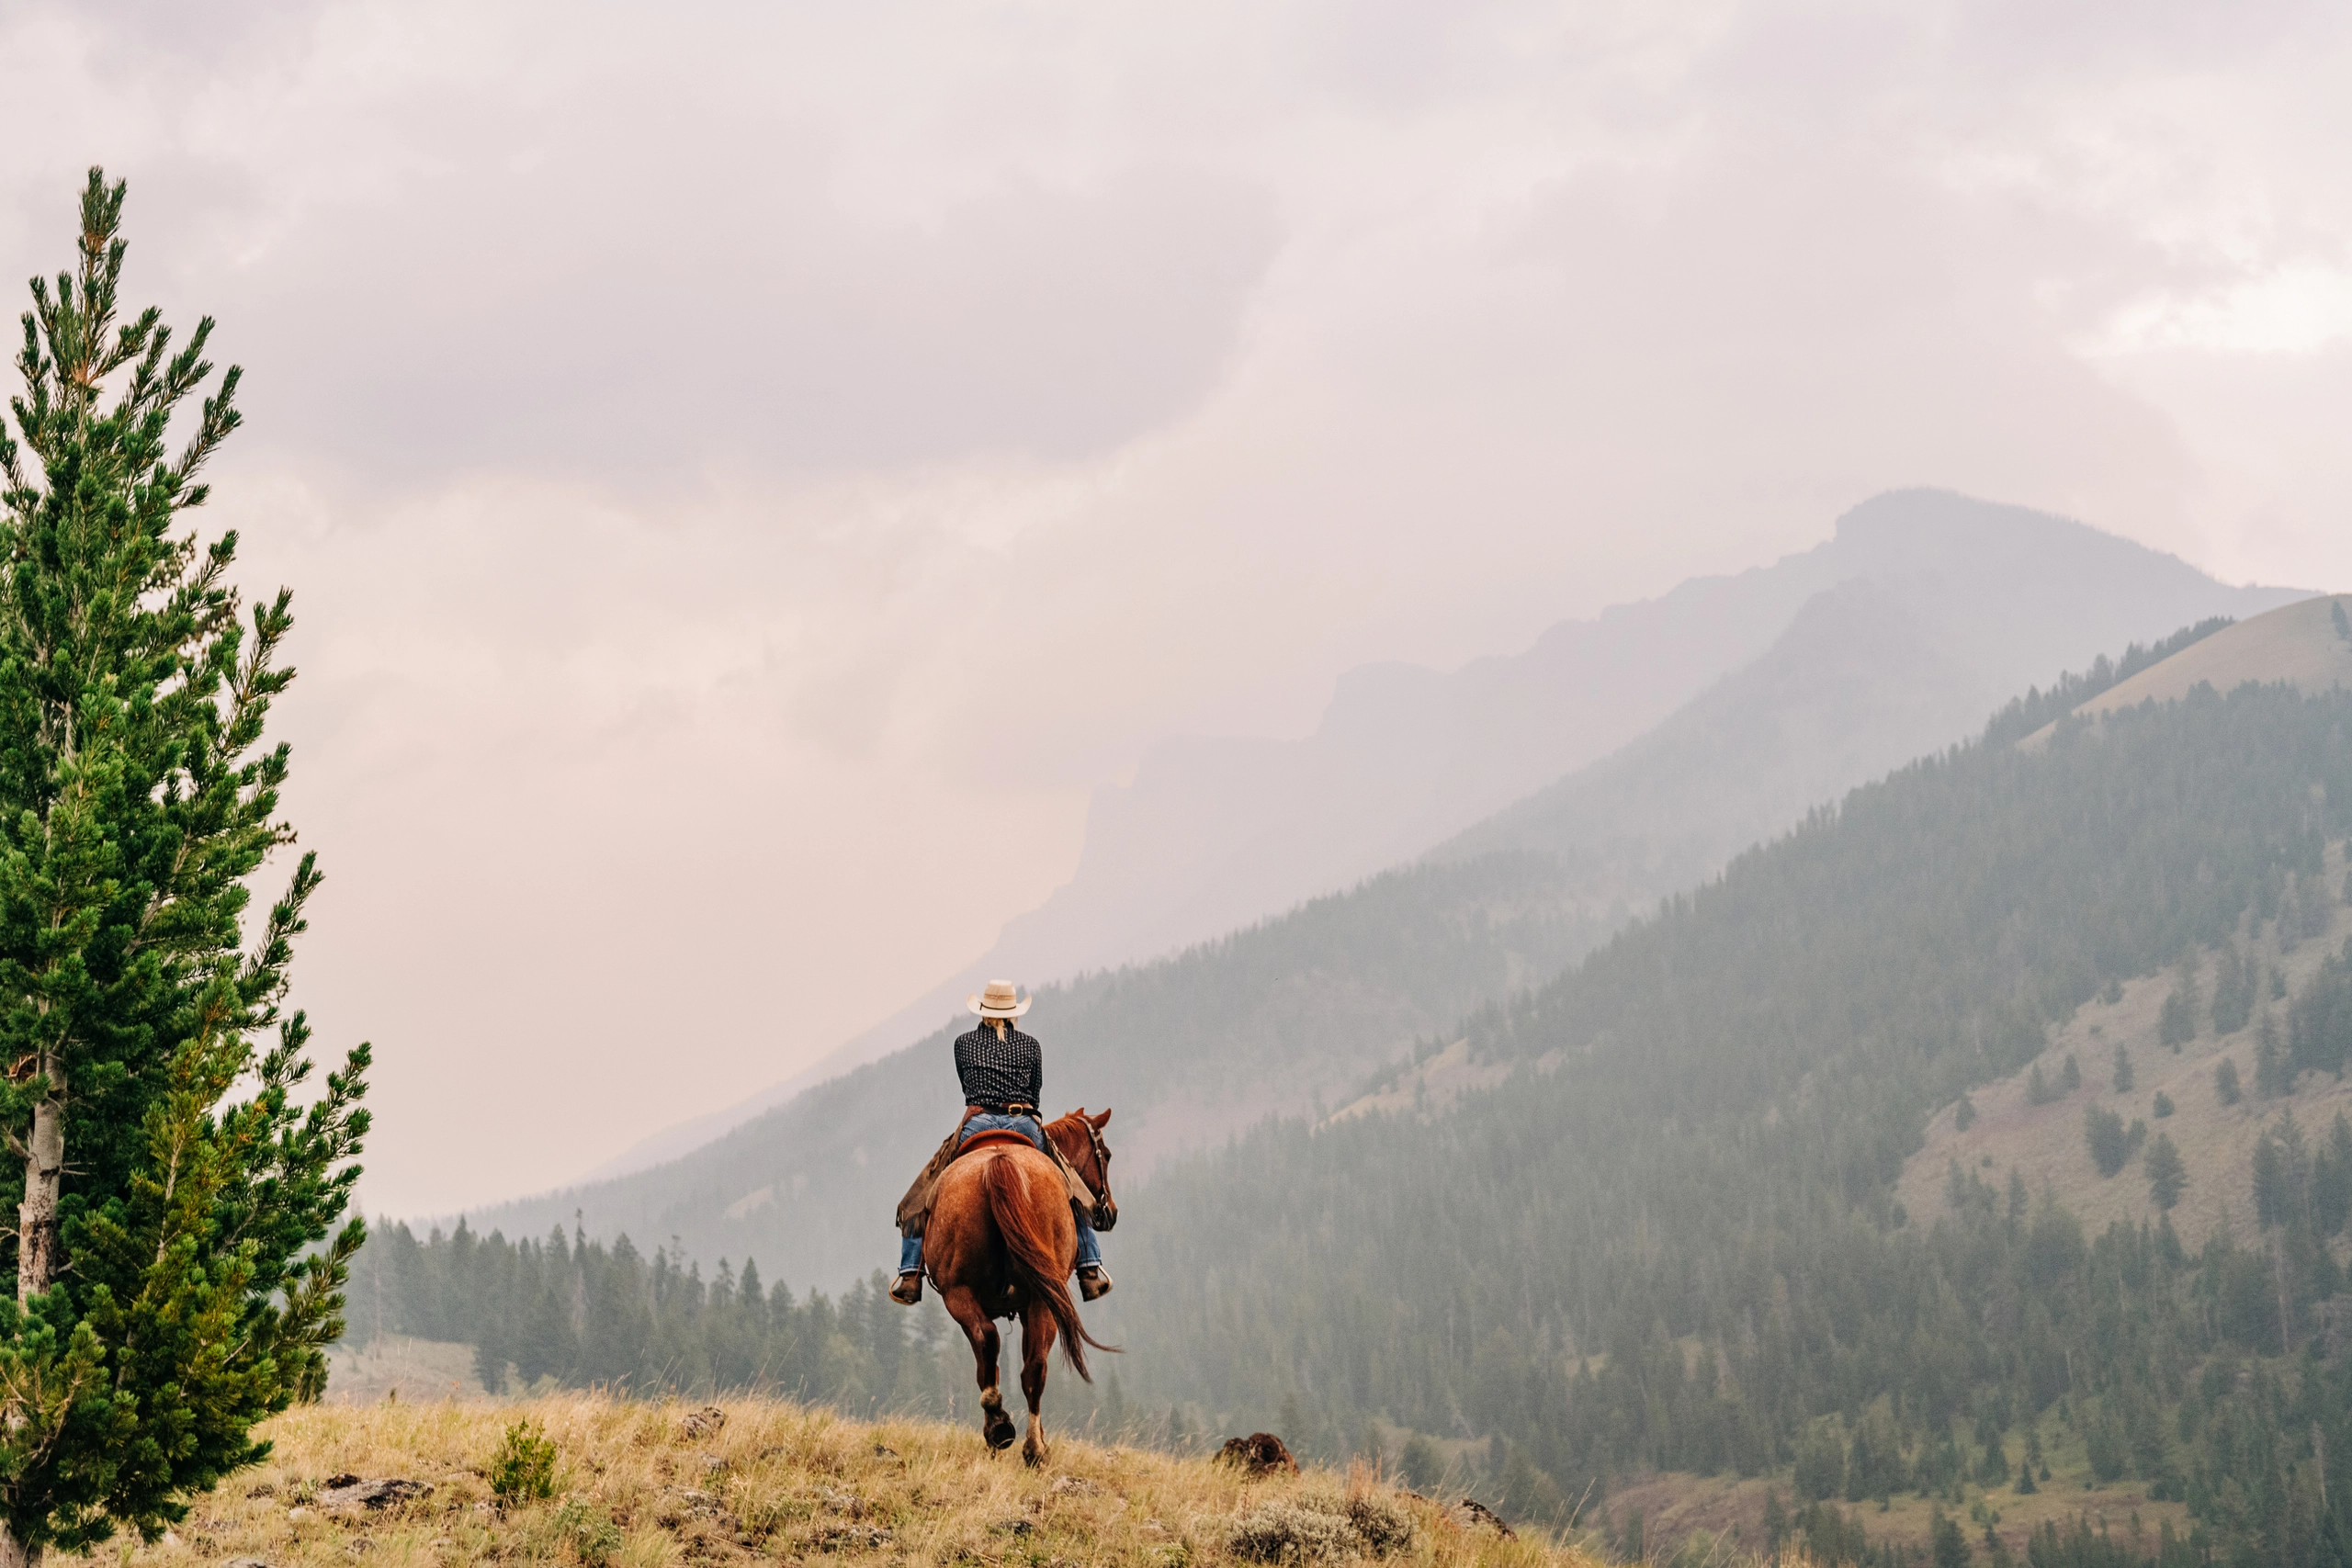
(996,1001)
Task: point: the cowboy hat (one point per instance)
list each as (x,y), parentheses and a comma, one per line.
(996,1001)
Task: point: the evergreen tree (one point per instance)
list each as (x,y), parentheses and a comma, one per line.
(2177,1022)
(2272,1076)
(2271,1198)
(164,1302)
(2166,1173)
(2123,1070)
(2233,990)
(2069,1075)
(2109,1145)
(2226,1082)
(1947,1543)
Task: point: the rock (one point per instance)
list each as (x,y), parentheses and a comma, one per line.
(1073,1487)
(260,1489)
(341,1478)
(855,1537)
(703,1423)
(245,1563)
(351,1492)
(1260,1453)
(171,1538)
(1013,1527)
(838,1502)
(298,1513)
(1470,1514)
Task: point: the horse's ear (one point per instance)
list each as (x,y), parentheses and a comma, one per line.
(1100,1122)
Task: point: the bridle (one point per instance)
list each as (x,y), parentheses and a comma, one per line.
(1106,1210)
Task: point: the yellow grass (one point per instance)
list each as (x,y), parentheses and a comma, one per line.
(778,1482)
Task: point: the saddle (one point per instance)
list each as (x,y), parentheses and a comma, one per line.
(995,1138)
(914,1208)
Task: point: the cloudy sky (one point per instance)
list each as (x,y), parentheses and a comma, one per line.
(747,471)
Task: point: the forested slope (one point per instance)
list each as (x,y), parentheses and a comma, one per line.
(1670,1240)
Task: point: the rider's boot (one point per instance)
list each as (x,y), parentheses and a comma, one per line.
(907,1289)
(1093,1282)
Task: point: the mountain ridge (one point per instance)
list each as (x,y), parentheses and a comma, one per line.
(1501,726)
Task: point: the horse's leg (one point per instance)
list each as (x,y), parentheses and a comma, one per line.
(1038,1333)
(965,1307)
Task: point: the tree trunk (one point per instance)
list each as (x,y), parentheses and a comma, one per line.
(37,1257)
(14,1553)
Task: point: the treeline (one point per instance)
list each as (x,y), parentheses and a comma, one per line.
(578,1313)
(1670,1240)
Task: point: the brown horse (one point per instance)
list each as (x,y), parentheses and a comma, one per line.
(1001,1243)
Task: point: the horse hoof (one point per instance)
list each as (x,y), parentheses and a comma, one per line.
(1000,1433)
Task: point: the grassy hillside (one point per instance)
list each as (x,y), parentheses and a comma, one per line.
(632,1489)
(2007,1131)
(2307,645)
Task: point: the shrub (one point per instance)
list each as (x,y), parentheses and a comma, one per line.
(1382,1521)
(2163,1106)
(525,1467)
(1319,1527)
(588,1530)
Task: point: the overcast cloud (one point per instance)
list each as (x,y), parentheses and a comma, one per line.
(748,470)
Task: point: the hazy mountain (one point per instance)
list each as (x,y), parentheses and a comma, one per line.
(1956,605)
(1297,1009)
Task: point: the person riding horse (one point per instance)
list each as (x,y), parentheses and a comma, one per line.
(1003,1072)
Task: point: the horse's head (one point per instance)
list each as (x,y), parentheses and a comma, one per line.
(1080,1138)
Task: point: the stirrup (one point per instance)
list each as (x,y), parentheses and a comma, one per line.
(1093,1282)
(907,1289)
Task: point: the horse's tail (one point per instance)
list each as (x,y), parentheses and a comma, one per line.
(1034,1266)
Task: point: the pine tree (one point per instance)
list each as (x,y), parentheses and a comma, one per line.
(2271,1201)
(2177,1021)
(2226,1082)
(2123,1070)
(2109,1144)
(2233,990)
(165,1304)
(2272,1074)
(2070,1074)
(2166,1173)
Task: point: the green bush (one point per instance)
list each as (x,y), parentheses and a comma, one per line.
(525,1468)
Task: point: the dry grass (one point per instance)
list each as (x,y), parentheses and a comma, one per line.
(786,1482)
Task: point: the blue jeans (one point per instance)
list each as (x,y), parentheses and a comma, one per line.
(1090,1251)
